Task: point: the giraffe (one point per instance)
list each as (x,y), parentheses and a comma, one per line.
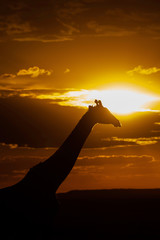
(33,197)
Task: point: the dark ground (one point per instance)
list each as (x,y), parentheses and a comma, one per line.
(93,214)
(109,214)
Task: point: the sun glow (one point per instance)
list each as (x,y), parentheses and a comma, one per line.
(123,101)
(117,100)
(120,101)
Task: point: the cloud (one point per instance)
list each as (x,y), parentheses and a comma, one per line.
(143,71)
(43,39)
(114,160)
(65,97)
(14,28)
(138,141)
(22,79)
(157,123)
(67,70)
(11,146)
(33,72)
(72,8)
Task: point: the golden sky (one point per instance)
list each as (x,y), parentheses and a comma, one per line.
(56,57)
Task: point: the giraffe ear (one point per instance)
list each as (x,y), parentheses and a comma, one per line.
(96,102)
(100,103)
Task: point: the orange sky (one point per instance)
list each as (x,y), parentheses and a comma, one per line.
(56,57)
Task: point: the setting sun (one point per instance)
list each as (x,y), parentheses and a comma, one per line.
(125,101)
(118,100)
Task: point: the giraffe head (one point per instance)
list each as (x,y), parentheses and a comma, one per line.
(102,115)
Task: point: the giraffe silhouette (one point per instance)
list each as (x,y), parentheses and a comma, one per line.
(33,198)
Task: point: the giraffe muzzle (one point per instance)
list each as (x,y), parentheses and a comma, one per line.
(117,124)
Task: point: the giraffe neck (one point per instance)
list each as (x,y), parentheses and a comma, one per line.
(65,157)
(52,172)
(75,141)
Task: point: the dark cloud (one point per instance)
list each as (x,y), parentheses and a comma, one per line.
(34,21)
(35,122)
(55,20)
